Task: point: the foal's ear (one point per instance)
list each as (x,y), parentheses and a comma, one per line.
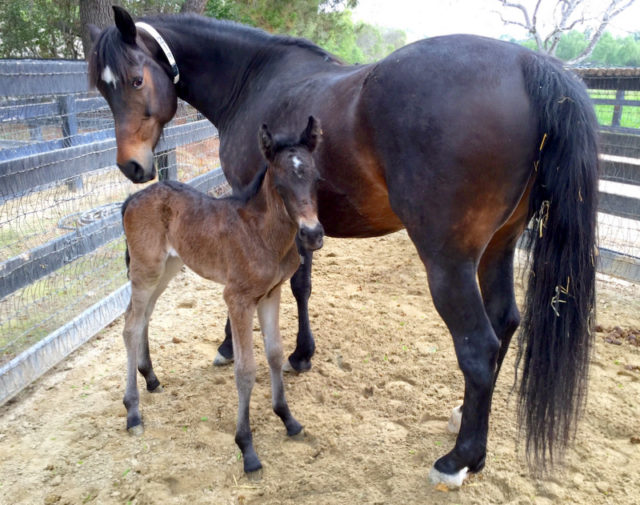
(266,143)
(94,32)
(125,24)
(312,134)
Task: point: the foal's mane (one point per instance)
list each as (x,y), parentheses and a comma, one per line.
(110,50)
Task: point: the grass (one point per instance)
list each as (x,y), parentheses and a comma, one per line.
(630,117)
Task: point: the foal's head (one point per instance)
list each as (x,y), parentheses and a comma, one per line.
(137,83)
(295,177)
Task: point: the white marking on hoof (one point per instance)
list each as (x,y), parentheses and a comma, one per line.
(136,430)
(455,420)
(220,360)
(451,481)
(286,367)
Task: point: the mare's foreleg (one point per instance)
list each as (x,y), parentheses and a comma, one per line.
(241,312)
(268,314)
(300,359)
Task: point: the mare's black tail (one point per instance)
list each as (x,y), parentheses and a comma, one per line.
(556,334)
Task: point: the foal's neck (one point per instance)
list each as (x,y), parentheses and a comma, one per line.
(274,224)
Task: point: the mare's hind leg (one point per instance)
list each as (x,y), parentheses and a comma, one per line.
(300,359)
(268,314)
(457,298)
(241,310)
(495,276)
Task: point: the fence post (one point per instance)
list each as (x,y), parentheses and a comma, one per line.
(67,110)
(167,165)
(617,109)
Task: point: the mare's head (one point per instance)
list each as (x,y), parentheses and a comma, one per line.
(138,89)
(295,177)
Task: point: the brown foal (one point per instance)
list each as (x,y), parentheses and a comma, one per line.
(246,242)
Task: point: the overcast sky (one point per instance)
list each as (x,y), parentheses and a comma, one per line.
(421,18)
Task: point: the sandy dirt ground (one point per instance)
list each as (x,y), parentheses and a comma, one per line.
(375,405)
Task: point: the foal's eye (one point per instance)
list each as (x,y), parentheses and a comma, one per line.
(137,82)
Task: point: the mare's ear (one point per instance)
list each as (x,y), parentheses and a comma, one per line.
(94,32)
(266,143)
(125,24)
(312,134)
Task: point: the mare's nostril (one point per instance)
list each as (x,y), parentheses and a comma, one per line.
(133,171)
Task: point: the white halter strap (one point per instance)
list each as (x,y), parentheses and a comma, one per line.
(164,46)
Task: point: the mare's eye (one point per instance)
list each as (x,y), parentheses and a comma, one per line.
(136,82)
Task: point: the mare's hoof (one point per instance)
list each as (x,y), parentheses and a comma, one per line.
(136,430)
(451,481)
(300,367)
(254,475)
(298,436)
(252,466)
(220,360)
(455,420)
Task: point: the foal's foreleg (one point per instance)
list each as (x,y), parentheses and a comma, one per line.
(268,314)
(241,313)
(300,359)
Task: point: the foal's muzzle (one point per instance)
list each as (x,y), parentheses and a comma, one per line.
(135,172)
(311,238)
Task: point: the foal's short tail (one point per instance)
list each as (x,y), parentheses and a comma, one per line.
(556,334)
(123,209)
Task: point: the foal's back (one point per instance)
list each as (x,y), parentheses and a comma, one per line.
(171,219)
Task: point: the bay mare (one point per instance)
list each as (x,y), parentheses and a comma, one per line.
(246,243)
(461,140)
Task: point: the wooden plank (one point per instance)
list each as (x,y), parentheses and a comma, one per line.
(618,205)
(42,77)
(619,171)
(28,174)
(25,269)
(626,144)
(35,361)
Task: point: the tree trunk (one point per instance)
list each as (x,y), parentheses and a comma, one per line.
(196,6)
(96,12)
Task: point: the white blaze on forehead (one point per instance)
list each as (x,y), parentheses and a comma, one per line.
(296,162)
(109,77)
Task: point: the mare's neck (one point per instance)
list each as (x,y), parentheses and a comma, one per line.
(215,60)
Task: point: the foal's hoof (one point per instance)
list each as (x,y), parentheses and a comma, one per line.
(254,475)
(451,481)
(220,360)
(455,420)
(157,389)
(299,367)
(136,430)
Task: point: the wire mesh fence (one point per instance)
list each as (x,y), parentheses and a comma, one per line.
(61,243)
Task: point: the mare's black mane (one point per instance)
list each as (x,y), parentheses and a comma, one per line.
(110,50)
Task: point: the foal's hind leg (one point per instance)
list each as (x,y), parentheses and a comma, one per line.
(268,314)
(145,367)
(135,323)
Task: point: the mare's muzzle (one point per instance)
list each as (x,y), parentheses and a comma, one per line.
(311,237)
(135,173)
